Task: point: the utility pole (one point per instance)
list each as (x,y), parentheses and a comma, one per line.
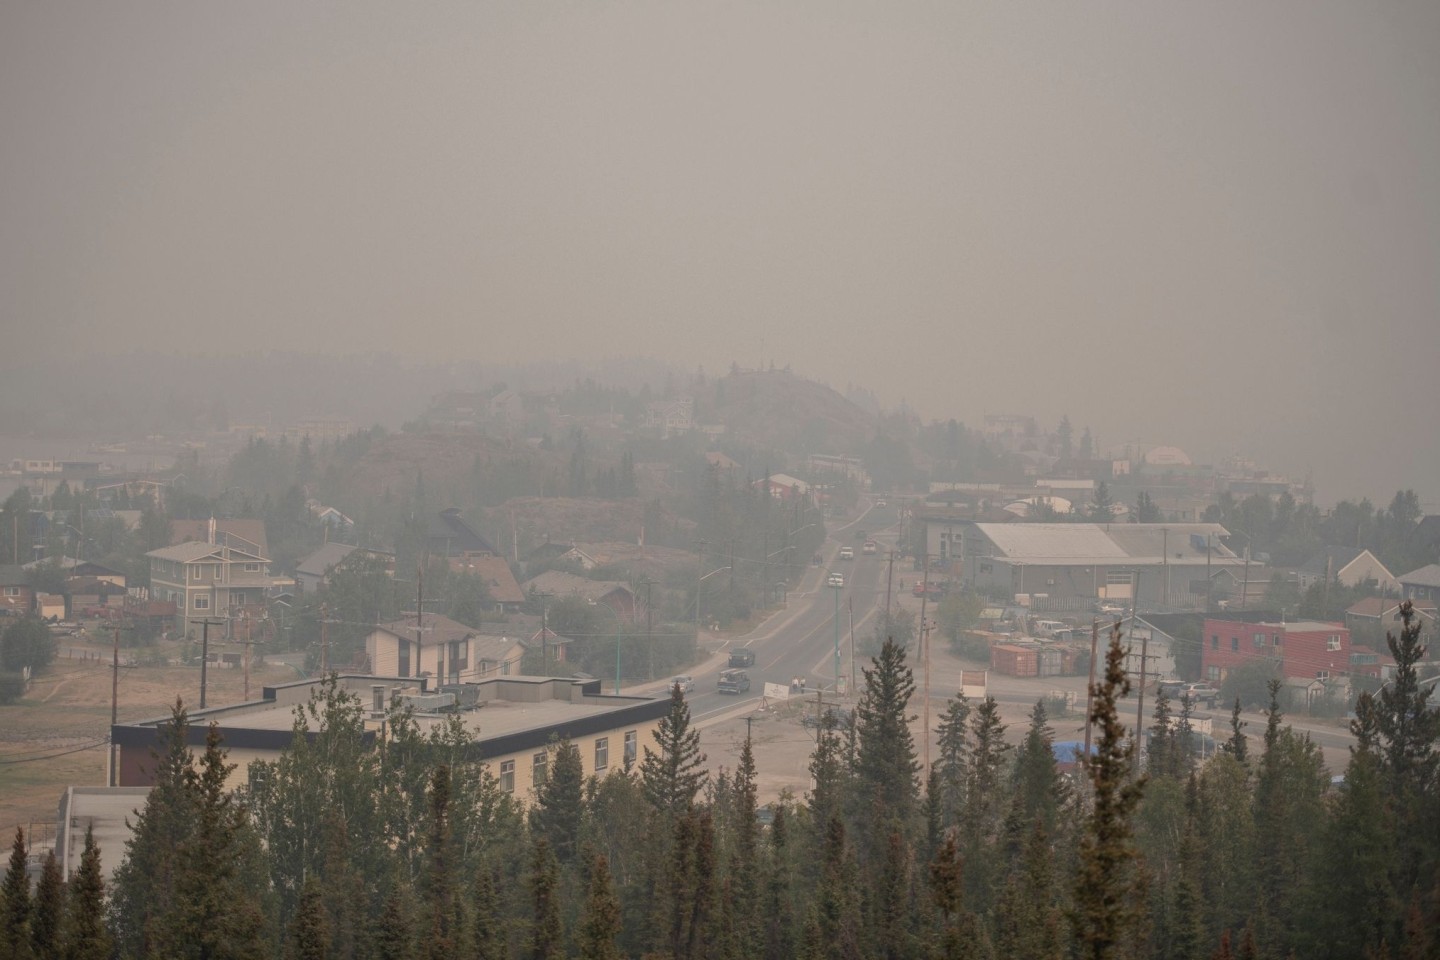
(1090,687)
(544,635)
(889,579)
(205,626)
(420,622)
(850,603)
(925,694)
(837,640)
(649,631)
(1144,649)
(699,576)
(324,642)
(115,628)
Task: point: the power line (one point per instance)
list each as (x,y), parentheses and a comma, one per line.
(52,756)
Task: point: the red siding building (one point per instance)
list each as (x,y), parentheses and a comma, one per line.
(1306,649)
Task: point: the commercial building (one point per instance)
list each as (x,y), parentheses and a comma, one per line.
(514,720)
(1304,649)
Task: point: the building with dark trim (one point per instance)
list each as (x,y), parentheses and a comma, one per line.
(515,721)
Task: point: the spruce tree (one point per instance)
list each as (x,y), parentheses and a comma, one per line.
(744,872)
(47,911)
(1105,914)
(144,883)
(1162,740)
(673,776)
(85,933)
(1040,788)
(546,934)
(1236,746)
(887,788)
(309,935)
(395,932)
(778,913)
(1027,920)
(952,764)
(487,932)
(837,907)
(15,905)
(600,923)
(559,805)
(446,924)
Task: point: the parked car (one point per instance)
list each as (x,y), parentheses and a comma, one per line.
(836,580)
(686,684)
(1197,692)
(881,504)
(733,681)
(847,553)
(870,547)
(742,658)
(922,588)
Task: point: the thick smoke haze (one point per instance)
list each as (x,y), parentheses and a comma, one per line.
(1215,226)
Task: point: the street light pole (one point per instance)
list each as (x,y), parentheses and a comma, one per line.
(837,640)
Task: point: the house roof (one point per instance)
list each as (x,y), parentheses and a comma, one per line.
(250,531)
(561,584)
(196,550)
(1337,558)
(1058,543)
(1426,576)
(1380,607)
(449,535)
(434,629)
(12,575)
(323,559)
(495,573)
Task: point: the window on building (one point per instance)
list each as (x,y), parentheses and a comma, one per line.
(215,571)
(12,591)
(202,603)
(252,568)
(539,768)
(1212,673)
(602,754)
(1333,642)
(632,747)
(1215,641)
(403,667)
(507,776)
(1259,640)
(1234,644)
(1277,638)
(198,571)
(1322,674)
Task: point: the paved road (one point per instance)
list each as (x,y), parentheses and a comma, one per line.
(799,641)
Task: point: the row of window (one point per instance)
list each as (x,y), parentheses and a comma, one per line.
(1212,673)
(540,762)
(1332,642)
(198,570)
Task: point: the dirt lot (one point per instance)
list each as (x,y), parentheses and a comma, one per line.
(66,714)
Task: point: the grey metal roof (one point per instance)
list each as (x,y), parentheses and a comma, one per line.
(323,559)
(1102,542)
(1426,576)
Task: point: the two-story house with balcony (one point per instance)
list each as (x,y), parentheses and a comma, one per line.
(215,581)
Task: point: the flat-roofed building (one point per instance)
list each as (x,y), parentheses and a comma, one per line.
(514,721)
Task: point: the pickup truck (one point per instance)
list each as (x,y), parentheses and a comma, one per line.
(742,658)
(733,681)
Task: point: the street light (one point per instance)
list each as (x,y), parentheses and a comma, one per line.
(837,588)
(698,581)
(616,614)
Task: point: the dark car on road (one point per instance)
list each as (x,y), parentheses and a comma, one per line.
(742,658)
(733,681)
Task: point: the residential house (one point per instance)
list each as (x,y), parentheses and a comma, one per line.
(515,722)
(671,417)
(506,409)
(1422,584)
(91,593)
(1376,615)
(1351,566)
(337,522)
(449,535)
(17,597)
(314,571)
(211,580)
(784,487)
(437,646)
(243,532)
(501,586)
(1305,649)
(611,593)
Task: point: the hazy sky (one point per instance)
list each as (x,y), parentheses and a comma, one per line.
(1214,225)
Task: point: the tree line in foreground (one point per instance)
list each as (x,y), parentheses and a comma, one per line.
(406,847)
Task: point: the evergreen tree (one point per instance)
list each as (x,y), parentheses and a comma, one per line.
(890,914)
(1236,745)
(837,908)
(1027,920)
(217,911)
(986,792)
(1039,787)
(778,914)
(309,934)
(395,932)
(559,805)
(672,777)
(744,866)
(887,789)
(488,927)
(947,891)
(1163,759)
(444,937)
(145,882)
(952,765)
(85,933)
(47,911)
(1105,914)
(600,924)
(546,934)
(15,904)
